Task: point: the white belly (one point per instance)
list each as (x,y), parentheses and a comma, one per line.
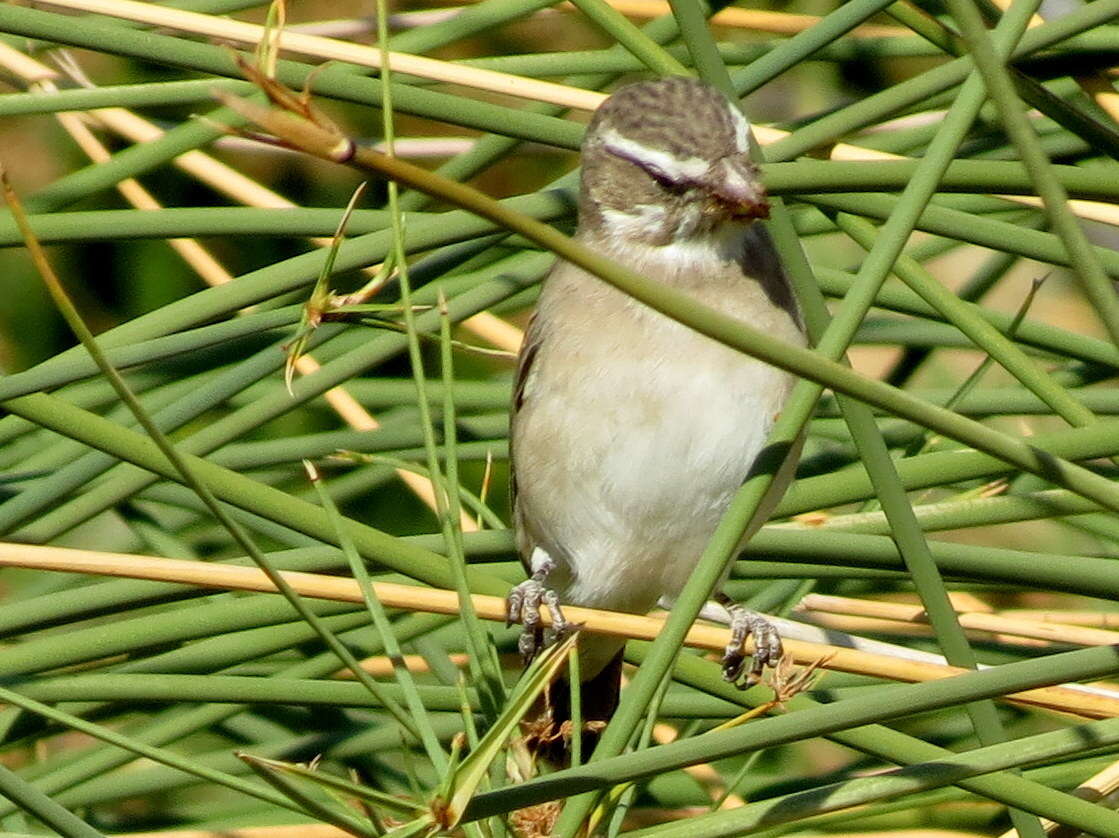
(646,445)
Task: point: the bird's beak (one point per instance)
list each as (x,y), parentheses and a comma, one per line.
(733,184)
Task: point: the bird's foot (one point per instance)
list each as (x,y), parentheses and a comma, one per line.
(767,645)
(523,604)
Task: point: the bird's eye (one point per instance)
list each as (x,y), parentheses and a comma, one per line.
(656,164)
(665,182)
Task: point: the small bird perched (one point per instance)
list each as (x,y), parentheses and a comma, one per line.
(630,432)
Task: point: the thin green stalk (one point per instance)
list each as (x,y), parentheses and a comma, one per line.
(790,808)
(83,467)
(131,162)
(244,492)
(470,20)
(182,222)
(335,81)
(792,51)
(969,384)
(1099,134)
(972,512)
(1003,401)
(618,27)
(299,271)
(1000,89)
(990,272)
(50,376)
(625,794)
(1000,566)
(998,346)
(485,672)
(888,703)
(133,746)
(58,776)
(965,227)
(476,505)
(1085,51)
(150,94)
(190,478)
(682,307)
(905,94)
(492,691)
(91,643)
(1031,333)
(486,677)
(945,468)
(276,403)
(977,176)
(574,683)
(385,629)
(34,802)
(308,804)
(701,46)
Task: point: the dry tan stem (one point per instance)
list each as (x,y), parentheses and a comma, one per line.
(228,181)
(1096,619)
(915,614)
(874,625)
(327,48)
(381,666)
(1101,89)
(967,601)
(414,598)
(1097,85)
(236,31)
(1095,788)
(1090,210)
(232,183)
(195,255)
(779,23)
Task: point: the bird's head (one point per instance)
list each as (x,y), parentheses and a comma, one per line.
(666,161)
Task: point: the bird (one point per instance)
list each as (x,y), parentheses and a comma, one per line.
(629,432)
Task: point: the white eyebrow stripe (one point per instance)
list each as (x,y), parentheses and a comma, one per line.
(691,168)
(741,128)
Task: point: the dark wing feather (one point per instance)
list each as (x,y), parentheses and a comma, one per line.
(530,347)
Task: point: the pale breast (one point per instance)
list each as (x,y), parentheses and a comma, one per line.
(633,435)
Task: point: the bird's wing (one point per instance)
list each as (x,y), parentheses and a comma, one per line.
(530,347)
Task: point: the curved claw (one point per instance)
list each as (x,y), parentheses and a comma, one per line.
(767,646)
(523,604)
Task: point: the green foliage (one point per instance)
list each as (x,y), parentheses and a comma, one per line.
(967,449)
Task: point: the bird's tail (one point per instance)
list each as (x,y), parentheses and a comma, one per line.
(550,734)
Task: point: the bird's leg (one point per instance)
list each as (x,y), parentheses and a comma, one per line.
(743,623)
(523,606)
(767,643)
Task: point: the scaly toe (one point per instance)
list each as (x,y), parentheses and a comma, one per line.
(767,647)
(523,605)
(733,663)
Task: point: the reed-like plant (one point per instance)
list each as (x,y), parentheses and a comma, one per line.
(255,522)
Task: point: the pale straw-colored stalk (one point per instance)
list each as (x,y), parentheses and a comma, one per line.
(232,183)
(472,77)
(906,614)
(1064,699)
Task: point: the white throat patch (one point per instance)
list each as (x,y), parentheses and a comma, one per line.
(638,222)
